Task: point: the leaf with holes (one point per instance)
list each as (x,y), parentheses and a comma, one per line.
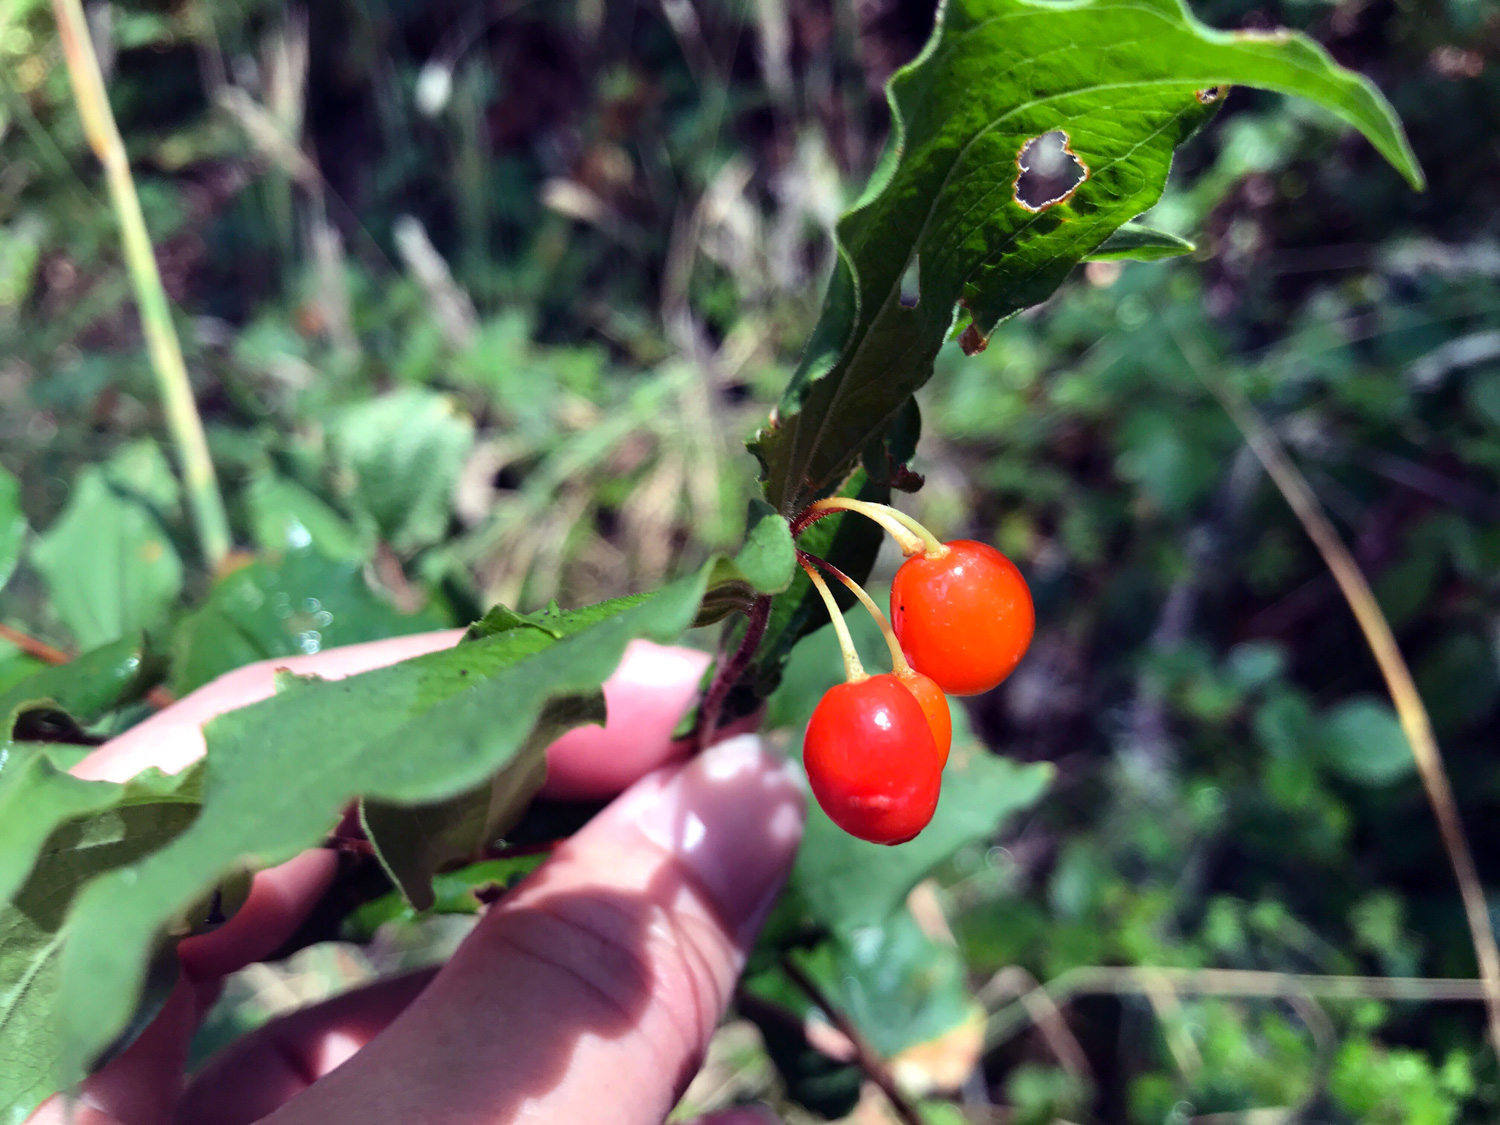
(1023,136)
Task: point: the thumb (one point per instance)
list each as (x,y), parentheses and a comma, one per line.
(590,993)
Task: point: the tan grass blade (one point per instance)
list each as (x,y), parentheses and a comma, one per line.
(151,298)
(1404,695)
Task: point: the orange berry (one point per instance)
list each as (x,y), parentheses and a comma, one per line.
(964,619)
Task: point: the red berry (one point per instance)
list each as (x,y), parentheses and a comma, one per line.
(871,760)
(964,619)
(934,705)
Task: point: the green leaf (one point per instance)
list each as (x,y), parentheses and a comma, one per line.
(141,471)
(553,621)
(298,604)
(36,797)
(139,818)
(847,883)
(1123,84)
(765,564)
(768,558)
(12,525)
(109,568)
(411,734)
(415,842)
(284,516)
(86,688)
(1363,741)
(849,542)
(405,451)
(899,986)
(1135,242)
(465,891)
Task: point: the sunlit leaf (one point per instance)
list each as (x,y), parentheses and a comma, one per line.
(957,210)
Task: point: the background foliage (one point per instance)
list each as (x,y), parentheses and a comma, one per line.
(480,302)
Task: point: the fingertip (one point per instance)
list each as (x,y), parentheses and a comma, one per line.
(280,898)
(646,698)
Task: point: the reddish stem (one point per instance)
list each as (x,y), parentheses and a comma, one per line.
(41,650)
(729,674)
(807,517)
(157,697)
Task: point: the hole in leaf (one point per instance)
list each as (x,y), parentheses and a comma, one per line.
(1212,94)
(911,283)
(1050,171)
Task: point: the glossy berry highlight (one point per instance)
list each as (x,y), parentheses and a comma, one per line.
(963,617)
(871,760)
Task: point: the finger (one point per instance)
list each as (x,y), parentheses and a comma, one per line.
(141,1086)
(591,992)
(144,1081)
(173,739)
(280,898)
(275,1063)
(645,699)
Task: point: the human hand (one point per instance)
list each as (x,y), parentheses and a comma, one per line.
(586,995)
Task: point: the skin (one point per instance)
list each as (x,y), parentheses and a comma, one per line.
(587,994)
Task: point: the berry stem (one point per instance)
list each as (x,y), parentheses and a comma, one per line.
(898,658)
(910,536)
(730,672)
(854,671)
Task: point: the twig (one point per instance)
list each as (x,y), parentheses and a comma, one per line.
(870,1063)
(1241,983)
(41,650)
(1377,631)
(729,674)
(1014,981)
(151,298)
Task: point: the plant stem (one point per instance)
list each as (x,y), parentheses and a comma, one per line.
(32,647)
(869,1062)
(854,671)
(151,298)
(898,658)
(728,675)
(911,536)
(1128,980)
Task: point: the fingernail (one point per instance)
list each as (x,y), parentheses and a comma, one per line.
(733,816)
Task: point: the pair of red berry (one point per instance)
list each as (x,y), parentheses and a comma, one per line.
(876,746)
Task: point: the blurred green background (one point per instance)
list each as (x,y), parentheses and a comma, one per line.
(480,298)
